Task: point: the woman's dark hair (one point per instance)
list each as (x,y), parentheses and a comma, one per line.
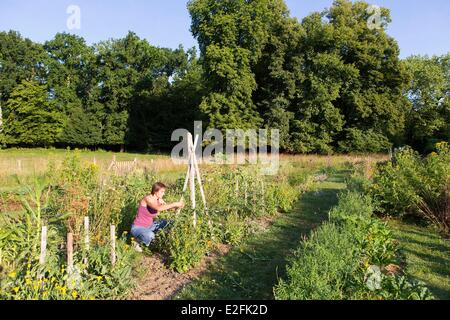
(158,186)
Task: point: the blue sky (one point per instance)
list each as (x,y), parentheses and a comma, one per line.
(420,26)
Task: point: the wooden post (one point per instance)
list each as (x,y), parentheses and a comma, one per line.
(86,238)
(43,245)
(95,161)
(197,171)
(19,165)
(188,172)
(113,244)
(69,253)
(86,233)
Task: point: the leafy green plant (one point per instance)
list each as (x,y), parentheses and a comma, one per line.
(185,243)
(235,229)
(411,184)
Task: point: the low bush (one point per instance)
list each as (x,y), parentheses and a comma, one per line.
(411,184)
(185,243)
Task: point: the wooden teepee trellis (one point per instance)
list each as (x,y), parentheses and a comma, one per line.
(192,175)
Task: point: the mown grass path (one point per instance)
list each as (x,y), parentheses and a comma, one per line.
(427,255)
(251,270)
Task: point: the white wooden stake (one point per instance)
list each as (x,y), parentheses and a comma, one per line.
(86,238)
(43,245)
(86,233)
(69,253)
(199,178)
(113,244)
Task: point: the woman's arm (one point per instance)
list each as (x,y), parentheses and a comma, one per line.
(155,205)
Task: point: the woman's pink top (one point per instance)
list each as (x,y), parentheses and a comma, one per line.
(145,216)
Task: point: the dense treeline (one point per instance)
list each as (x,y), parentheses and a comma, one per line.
(329,83)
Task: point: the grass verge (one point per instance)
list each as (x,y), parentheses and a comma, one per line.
(427,255)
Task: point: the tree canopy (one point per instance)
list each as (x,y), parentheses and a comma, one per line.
(329,83)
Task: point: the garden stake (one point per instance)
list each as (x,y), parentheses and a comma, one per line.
(86,238)
(69,253)
(43,245)
(113,244)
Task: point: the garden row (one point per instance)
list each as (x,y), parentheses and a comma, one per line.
(354,255)
(62,197)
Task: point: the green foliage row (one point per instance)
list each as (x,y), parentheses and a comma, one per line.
(348,258)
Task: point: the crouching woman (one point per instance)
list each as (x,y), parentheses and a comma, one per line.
(144,226)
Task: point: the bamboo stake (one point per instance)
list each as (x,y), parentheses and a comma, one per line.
(69,253)
(43,245)
(113,244)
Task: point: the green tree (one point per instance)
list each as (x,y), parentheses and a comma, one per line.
(429,94)
(331,79)
(72,78)
(231,36)
(20,59)
(33,119)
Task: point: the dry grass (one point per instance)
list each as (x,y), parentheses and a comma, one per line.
(28,162)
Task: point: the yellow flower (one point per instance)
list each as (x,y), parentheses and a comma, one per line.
(74,294)
(99,278)
(91,298)
(63,290)
(16,289)
(12,274)
(28,281)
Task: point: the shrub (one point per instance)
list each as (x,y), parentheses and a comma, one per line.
(185,244)
(410,184)
(235,229)
(364,142)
